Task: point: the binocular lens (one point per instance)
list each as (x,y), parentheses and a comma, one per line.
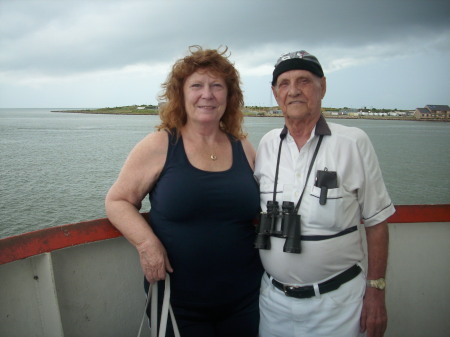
(293,240)
(290,227)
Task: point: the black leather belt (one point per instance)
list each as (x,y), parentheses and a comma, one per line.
(324,287)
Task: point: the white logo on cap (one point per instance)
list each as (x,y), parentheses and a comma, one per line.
(292,55)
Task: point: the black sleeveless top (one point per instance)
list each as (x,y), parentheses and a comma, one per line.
(204,220)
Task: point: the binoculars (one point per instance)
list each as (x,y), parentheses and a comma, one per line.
(289,229)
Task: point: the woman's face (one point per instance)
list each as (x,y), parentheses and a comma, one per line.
(205,97)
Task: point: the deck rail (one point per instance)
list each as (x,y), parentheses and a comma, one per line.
(49,239)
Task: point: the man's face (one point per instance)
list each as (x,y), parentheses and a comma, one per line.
(299,94)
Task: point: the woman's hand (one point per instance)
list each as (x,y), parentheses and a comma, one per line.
(154,260)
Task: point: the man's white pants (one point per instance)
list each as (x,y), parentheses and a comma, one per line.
(333,314)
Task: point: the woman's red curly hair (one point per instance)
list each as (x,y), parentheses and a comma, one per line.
(172,111)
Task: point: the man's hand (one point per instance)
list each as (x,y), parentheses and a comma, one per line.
(373,315)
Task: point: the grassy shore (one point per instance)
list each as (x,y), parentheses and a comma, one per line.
(146,110)
(248,112)
(124,110)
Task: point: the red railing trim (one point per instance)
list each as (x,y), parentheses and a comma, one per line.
(421,213)
(49,239)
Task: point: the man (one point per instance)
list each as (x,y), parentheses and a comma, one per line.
(312,253)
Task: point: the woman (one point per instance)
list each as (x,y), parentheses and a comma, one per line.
(198,171)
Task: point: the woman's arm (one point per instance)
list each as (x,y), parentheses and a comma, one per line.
(123,201)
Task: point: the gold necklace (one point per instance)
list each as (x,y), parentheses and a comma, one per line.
(213,156)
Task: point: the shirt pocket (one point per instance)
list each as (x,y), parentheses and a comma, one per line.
(266,191)
(328,215)
(284,192)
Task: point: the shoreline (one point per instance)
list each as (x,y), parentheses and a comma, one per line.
(95,112)
(108,111)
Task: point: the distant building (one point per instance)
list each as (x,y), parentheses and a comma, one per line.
(354,114)
(435,112)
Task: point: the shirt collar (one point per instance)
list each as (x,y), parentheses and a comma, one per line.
(322,127)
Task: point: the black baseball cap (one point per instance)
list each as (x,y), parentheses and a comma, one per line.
(301,60)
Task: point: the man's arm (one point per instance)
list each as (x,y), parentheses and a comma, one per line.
(374,316)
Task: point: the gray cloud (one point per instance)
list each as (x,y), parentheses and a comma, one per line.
(60,39)
(72,36)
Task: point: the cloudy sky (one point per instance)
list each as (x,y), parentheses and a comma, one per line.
(106,53)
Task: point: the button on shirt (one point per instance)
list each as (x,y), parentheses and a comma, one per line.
(360,195)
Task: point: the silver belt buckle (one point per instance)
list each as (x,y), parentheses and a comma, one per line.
(287,288)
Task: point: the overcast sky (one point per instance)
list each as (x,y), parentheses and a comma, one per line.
(106,53)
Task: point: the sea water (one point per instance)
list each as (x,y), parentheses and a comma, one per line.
(56,168)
